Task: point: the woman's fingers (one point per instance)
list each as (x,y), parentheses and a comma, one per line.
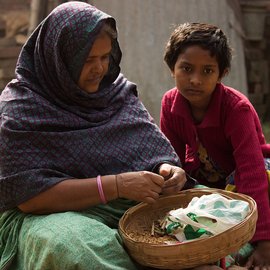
(140,186)
(171,189)
(175,178)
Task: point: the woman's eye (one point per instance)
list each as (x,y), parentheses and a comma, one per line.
(89,60)
(106,57)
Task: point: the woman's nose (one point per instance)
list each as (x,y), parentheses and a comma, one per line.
(97,67)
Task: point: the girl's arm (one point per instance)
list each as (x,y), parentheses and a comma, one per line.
(168,127)
(250,173)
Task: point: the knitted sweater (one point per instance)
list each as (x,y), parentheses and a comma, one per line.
(232,135)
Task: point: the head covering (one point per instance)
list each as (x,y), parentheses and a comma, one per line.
(52,59)
(52,130)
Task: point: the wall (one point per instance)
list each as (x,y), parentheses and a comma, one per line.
(13,28)
(256,18)
(144,27)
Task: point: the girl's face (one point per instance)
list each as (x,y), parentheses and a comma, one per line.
(196,74)
(96,64)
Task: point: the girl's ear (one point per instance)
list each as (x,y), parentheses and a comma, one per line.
(172,73)
(225,72)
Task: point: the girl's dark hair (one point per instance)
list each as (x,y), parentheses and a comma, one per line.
(207,36)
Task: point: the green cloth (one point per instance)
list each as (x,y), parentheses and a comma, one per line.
(70,240)
(10,224)
(240,257)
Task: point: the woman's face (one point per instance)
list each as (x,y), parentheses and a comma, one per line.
(96,64)
(196,74)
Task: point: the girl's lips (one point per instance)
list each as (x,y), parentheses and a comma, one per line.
(193,91)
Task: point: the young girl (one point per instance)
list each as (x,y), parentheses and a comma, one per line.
(214,128)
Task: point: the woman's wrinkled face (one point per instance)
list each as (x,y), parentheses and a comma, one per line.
(96,64)
(196,74)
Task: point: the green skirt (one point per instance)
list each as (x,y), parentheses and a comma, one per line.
(69,240)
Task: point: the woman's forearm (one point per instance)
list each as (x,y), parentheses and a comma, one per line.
(71,195)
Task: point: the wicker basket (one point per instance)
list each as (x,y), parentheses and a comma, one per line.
(147,250)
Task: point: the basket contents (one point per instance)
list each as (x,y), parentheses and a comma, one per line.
(203,217)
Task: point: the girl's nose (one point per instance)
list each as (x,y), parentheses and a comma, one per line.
(195,79)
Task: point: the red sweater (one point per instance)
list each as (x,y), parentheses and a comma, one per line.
(232,135)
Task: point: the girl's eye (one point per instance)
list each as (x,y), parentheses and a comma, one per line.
(186,68)
(208,71)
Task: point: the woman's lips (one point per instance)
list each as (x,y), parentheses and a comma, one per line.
(94,80)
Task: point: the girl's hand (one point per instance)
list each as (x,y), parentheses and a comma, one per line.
(142,186)
(260,258)
(207,267)
(175,178)
(236,267)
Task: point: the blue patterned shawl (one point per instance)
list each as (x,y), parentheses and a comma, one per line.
(51,130)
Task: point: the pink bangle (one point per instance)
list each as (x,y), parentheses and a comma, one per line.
(100,190)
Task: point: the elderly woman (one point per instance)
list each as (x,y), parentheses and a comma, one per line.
(78,148)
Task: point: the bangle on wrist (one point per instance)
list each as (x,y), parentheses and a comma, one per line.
(100,190)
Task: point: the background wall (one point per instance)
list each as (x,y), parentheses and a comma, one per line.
(144,27)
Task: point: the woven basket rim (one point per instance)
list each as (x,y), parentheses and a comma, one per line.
(141,251)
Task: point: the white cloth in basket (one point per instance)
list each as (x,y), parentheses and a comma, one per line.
(209,214)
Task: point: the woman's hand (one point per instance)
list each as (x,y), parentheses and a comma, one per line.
(175,178)
(260,258)
(142,186)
